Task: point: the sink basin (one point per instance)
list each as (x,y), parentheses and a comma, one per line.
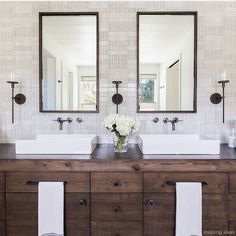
(178,144)
(58,144)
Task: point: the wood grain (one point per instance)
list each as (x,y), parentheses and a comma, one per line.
(232,182)
(116,228)
(116,206)
(76,182)
(2,214)
(116,182)
(161,218)
(156,182)
(22,214)
(2,182)
(232,207)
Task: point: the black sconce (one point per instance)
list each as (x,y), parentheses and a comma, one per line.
(117,98)
(216,98)
(18,98)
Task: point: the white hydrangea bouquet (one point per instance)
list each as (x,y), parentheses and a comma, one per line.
(122,126)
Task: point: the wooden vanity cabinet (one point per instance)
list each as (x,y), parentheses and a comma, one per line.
(117,203)
(2,204)
(160,201)
(22,202)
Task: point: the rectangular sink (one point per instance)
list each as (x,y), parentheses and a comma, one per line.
(58,144)
(178,144)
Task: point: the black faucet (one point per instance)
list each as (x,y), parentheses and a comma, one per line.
(61,121)
(173,121)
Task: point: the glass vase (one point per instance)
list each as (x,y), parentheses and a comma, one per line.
(120,143)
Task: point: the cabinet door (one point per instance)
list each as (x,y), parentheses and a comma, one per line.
(22,214)
(159,214)
(22,202)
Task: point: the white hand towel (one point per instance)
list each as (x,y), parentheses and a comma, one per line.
(188,209)
(51,209)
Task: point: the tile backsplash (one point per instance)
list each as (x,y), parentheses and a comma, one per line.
(19,53)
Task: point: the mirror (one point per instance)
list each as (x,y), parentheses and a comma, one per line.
(167,61)
(68,62)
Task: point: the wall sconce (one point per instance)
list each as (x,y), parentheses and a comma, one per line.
(216,98)
(117,98)
(18,98)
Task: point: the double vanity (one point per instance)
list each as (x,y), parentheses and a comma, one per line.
(107,193)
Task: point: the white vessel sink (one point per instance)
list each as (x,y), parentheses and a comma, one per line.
(58,144)
(178,144)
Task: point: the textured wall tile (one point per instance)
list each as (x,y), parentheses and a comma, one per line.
(117,61)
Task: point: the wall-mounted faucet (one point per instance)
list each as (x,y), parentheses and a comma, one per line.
(61,121)
(155,120)
(173,121)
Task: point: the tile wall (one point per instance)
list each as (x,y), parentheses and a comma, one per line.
(19,54)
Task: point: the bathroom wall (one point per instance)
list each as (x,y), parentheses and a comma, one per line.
(19,54)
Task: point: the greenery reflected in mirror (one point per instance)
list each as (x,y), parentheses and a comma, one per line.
(167,43)
(69,62)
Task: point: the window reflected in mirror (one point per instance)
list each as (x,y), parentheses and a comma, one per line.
(167,62)
(69,68)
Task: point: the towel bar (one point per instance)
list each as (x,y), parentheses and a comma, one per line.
(37,182)
(174,183)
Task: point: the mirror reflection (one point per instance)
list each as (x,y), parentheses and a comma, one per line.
(69,62)
(166,62)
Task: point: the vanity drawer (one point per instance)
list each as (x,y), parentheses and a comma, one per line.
(116,228)
(116,182)
(157,182)
(2,182)
(232,182)
(19,181)
(116,206)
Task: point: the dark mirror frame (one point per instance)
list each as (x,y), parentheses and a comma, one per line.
(195,15)
(41,14)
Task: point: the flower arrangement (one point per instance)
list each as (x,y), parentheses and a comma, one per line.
(122,126)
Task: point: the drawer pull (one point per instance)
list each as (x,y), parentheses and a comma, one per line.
(136,167)
(151,203)
(116,184)
(174,182)
(82,203)
(116,209)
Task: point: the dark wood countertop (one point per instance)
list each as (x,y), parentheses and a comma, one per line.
(104,159)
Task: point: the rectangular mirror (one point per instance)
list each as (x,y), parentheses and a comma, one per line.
(68,62)
(167,61)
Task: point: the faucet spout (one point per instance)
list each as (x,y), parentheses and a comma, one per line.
(61,121)
(173,122)
(173,125)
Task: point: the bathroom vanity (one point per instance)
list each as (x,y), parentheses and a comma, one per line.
(116,194)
